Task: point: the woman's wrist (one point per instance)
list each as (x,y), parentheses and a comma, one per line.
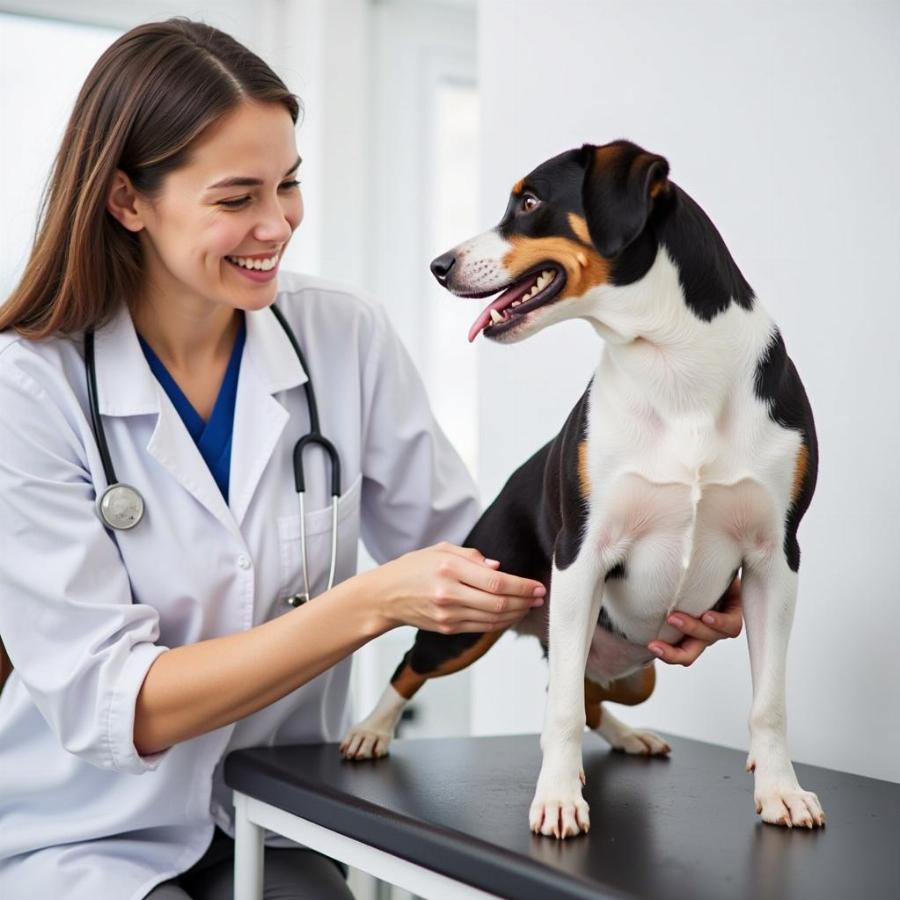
(368,593)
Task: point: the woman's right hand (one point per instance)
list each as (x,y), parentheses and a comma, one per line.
(451,589)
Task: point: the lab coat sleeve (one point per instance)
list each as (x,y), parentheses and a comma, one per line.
(78,643)
(416,489)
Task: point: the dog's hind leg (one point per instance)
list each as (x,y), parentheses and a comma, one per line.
(630,690)
(431,656)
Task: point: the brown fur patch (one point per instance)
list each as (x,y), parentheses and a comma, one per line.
(467,657)
(518,187)
(529,252)
(800,465)
(584,478)
(629,691)
(579,226)
(408,682)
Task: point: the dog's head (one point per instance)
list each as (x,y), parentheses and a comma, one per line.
(578,222)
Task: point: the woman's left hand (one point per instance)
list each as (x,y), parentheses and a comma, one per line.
(700,633)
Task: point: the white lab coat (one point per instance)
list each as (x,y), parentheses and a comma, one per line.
(84,612)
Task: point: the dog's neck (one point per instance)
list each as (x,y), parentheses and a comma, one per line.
(666,355)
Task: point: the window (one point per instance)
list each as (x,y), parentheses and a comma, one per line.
(35,102)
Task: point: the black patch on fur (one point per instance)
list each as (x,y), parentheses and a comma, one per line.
(557,184)
(431,649)
(566,509)
(617,571)
(778,385)
(604,621)
(708,274)
(538,512)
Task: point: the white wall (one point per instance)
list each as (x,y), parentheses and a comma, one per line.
(781,120)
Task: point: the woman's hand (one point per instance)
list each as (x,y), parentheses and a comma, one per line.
(451,589)
(700,633)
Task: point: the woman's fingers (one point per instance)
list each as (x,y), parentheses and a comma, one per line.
(694,627)
(700,633)
(500,584)
(683,654)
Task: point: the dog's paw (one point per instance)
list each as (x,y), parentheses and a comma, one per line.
(788,805)
(630,740)
(361,742)
(558,809)
(643,743)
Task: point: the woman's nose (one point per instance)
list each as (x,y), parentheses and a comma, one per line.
(277,223)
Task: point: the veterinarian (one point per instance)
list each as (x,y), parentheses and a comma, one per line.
(167,625)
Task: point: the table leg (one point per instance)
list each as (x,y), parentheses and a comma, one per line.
(248,853)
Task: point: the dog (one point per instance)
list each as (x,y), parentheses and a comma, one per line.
(692,455)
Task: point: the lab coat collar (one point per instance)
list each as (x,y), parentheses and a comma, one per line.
(125,384)
(127,387)
(272,353)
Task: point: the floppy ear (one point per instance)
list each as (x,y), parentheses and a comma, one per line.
(621,182)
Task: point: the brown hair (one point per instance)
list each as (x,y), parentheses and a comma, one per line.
(153,91)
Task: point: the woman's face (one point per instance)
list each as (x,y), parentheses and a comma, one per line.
(196,229)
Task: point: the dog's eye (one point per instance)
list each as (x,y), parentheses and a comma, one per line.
(529,203)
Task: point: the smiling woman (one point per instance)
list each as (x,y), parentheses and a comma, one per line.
(141,332)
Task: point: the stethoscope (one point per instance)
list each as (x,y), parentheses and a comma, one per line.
(122,507)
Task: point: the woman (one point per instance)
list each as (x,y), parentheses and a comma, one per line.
(155,650)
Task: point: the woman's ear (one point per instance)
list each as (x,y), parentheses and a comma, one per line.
(121,202)
(621,183)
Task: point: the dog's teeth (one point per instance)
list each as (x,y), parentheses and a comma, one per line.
(496,317)
(548,274)
(516,303)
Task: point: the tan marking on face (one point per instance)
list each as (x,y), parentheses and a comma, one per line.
(584,478)
(800,465)
(579,226)
(518,187)
(657,188)
(526,253)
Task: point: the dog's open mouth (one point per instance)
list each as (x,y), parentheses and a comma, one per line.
(534,289)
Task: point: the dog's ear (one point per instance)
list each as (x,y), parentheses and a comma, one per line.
(621,183)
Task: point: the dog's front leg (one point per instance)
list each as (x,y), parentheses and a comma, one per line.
(558,807)
(769,595)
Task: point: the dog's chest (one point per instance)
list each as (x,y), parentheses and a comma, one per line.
(678,504)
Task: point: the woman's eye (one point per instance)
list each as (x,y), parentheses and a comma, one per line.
(240,201)
(530,202)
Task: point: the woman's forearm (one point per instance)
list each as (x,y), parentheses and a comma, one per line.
(197,688)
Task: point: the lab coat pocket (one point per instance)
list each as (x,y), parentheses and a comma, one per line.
(318,544)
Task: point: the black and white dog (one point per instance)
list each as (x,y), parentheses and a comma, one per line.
(691,455)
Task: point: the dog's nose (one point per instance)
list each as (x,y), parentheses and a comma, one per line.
(441,266)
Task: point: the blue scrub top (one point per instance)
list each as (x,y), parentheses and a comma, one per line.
(213,438)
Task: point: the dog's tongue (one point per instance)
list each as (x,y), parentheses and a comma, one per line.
(510,295)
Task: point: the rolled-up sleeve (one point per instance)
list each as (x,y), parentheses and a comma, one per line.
(416,488)
(79,644)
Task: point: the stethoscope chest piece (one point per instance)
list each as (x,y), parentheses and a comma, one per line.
(121,507)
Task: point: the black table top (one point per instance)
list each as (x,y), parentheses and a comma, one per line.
(682,828)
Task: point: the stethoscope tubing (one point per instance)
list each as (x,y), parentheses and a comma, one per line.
(132,501)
